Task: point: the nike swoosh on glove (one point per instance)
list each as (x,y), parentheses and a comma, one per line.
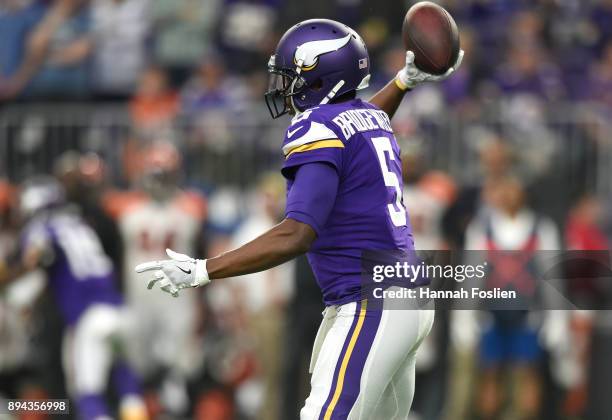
(179,272)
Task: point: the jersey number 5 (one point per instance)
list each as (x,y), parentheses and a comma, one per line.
(397,212)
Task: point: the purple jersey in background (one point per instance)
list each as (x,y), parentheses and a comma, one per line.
(78,271)
(355,138)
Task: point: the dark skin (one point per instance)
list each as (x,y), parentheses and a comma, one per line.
(289,238)
(389,98)
(280,244)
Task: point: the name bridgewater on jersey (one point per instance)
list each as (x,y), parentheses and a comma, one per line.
(361,120)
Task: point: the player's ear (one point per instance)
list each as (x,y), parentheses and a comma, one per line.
(317,85)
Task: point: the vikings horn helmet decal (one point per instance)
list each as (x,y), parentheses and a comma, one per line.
(315,61)
(307,55)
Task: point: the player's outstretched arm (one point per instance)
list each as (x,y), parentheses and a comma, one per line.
(280,244)
(389,98)
(283,242)
(309,203)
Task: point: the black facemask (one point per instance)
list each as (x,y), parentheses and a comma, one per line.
(283,84)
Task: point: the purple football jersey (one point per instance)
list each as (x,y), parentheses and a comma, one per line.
(78,271)
(356,138)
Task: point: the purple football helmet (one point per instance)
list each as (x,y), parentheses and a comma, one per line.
(315,61)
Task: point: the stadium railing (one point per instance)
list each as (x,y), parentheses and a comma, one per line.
(571,148)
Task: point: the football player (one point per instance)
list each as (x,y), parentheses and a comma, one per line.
(153,217)
(343,171)
(82,281)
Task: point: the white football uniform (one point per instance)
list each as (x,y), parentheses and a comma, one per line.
(161,326)
(425,217)
(369,355)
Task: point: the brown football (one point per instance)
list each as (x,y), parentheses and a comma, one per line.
(431,34)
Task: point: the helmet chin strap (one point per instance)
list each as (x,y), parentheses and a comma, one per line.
(332,92)
(295,108)
(298,70)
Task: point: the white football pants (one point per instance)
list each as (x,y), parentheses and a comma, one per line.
(363,363)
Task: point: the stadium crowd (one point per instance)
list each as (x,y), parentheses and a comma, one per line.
(514,149)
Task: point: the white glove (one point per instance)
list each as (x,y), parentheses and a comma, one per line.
(410,76)
(179,272)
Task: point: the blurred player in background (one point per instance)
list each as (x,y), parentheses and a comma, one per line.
(588,229)
(82,280)
(427,195)
(263,296)
(84,178)
(31,327)
(15,322)
(343,170)
(157,216)
(512,343)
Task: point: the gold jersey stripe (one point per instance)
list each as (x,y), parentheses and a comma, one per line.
(316,145)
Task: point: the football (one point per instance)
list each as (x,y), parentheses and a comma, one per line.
(431,34)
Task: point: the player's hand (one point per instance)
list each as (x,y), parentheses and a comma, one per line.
(179,272)
(410,76)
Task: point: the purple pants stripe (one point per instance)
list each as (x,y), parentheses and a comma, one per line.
(350,365)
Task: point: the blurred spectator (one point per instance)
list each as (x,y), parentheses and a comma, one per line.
(154,105)
(496,159)
(592,330)
(247,32)
(458,90)
(17,19)
(210,102)
(47,49)
(585,228)
(601,17)
(119,31)
(600,88)
(211,88)
(509,343)
(526,28)
(527,70)
(182,33)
